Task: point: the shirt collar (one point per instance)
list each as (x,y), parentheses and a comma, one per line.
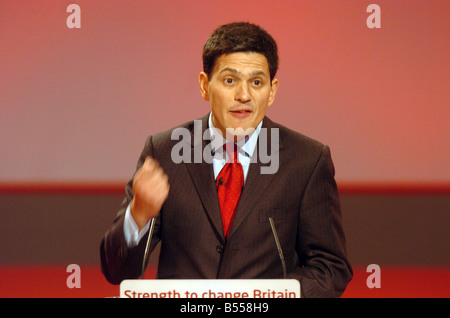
(245,146)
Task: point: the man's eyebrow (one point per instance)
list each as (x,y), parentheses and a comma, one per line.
(235,71)
(230,69)
(258,73)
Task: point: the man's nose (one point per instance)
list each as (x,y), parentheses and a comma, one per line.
(243,93)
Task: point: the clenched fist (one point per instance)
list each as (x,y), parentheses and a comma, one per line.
(150,188)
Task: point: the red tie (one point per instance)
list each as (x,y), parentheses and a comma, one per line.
(229,185)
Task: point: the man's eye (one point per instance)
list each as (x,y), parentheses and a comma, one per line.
(257,83)
(229,81)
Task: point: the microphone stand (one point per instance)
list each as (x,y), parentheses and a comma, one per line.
(147,247)
(280,251)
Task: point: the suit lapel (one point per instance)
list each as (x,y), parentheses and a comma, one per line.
(256,182)
(202,175)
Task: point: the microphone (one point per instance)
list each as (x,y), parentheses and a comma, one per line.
(147,247)
(220,182)
(280,251)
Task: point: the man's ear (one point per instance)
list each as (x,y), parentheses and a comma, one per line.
(273,91)
(204,83)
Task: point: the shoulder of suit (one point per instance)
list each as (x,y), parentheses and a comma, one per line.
(290,136)
(301,147)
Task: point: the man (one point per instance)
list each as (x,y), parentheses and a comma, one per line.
(198,238)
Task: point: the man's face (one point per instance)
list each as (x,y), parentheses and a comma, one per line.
(239,91)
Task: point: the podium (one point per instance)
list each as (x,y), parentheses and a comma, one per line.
(210,288)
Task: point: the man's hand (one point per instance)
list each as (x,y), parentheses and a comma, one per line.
(150,188)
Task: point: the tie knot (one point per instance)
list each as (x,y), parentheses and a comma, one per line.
(232,151)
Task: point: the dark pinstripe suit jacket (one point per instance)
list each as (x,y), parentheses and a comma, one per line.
(301,197)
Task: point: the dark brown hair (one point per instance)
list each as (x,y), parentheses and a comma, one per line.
(240,37)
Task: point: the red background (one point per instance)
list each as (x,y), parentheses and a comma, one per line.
(77,104)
